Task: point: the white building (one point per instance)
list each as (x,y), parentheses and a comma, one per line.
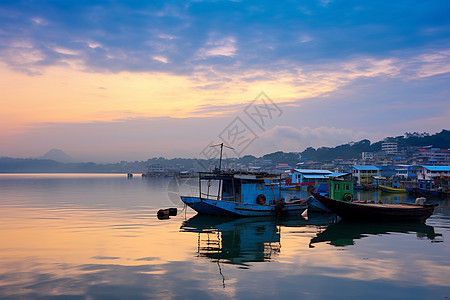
(433,172)
(367,156)
(389,147)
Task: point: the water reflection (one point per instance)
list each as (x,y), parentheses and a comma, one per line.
(97,237)
(235,241)
(243,240)
(344,233)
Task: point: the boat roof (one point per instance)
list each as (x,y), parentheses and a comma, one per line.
(334,175)
(238,175)
(311,171)
(366,168)
(316,176)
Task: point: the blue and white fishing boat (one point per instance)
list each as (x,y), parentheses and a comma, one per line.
(242,194)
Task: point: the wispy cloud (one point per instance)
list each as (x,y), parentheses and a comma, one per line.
(121,36)
(336,68)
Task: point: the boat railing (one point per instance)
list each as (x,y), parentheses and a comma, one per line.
(210,196)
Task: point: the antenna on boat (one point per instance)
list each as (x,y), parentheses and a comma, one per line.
(221,151)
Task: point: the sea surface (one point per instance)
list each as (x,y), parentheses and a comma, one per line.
(97,236)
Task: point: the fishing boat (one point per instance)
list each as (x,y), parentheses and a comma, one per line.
(337,188)
(389,189)
(242,194)
(431,188)
(363,211)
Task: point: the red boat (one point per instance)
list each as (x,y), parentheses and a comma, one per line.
(354,211)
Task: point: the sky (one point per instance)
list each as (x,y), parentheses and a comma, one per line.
(107,81)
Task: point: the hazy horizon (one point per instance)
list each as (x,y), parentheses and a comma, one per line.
(228,153)
(108,81)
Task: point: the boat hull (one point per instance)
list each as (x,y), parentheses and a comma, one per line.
(428,192)
(316,206)
(391,189)
(230,208)
(377,212)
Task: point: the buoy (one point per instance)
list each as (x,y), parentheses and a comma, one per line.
(163,214)
(166,212)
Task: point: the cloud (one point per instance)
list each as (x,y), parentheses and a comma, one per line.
(341,69)
(218,47)
(114,37)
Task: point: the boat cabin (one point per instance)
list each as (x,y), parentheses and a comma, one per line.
(240,187)
(341,189)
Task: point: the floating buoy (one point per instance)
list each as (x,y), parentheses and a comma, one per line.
(165,213)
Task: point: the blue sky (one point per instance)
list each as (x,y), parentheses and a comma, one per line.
(339,70)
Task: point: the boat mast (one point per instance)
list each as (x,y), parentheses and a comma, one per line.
(221,152)
(219,192)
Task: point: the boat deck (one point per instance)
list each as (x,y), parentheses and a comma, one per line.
(399,205)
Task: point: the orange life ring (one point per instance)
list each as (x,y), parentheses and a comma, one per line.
(261,199)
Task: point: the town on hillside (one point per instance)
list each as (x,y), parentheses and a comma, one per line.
(400,170)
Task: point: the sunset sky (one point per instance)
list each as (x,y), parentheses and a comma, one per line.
(129,80)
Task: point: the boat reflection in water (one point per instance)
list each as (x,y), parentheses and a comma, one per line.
(344,233)
(242,240)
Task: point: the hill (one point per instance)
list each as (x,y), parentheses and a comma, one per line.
(354,149)
(57,155)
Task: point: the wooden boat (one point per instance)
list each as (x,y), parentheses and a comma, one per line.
(389,189)
(425,192)
(242,194)
(376,211)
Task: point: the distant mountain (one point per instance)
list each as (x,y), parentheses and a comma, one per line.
(57,155)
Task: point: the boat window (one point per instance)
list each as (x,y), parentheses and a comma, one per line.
(260,186)
(346,187)
(336,187)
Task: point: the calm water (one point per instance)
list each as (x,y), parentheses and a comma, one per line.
(97,237)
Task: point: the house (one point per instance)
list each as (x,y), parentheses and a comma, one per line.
(364,174)
(302,178)
(407,172)
(433,155)
(387,170)
(433,172)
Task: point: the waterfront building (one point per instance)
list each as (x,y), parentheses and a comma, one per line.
(433,172)
(388,170)
(364,174)
(302,178)
(407,172)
